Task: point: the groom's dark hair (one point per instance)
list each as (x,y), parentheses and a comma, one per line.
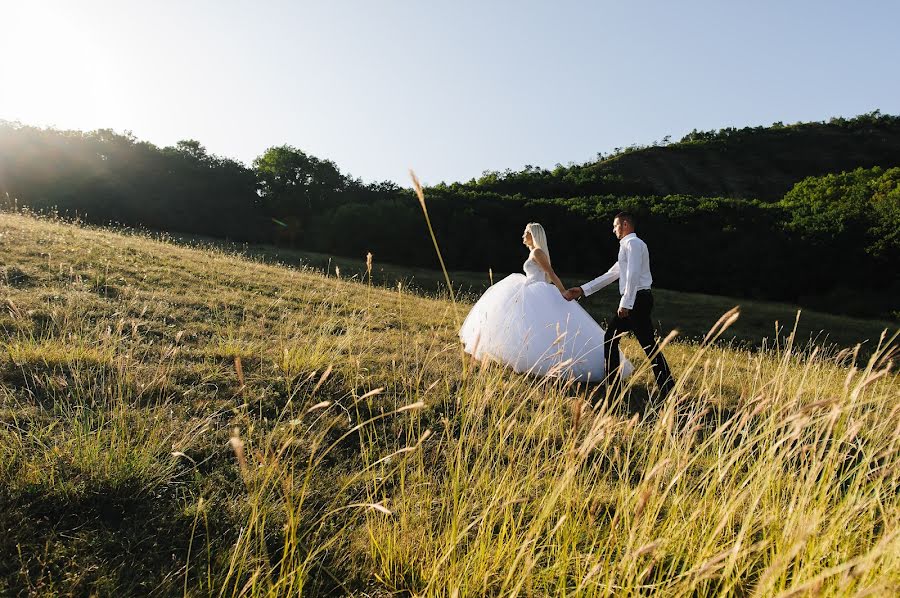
(627,216)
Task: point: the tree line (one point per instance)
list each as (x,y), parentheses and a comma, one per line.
(750,162)
(832,240)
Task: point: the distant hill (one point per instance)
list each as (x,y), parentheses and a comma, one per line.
(751,163)
(785,207)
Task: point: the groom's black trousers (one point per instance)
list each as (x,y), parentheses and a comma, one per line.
(639,322)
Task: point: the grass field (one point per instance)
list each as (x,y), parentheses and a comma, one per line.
(690,313)
(179,421)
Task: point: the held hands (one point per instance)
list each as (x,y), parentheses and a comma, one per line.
(573,293)
(623,312)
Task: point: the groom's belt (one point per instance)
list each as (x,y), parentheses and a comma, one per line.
(639,291)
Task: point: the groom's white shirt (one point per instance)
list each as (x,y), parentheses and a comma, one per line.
(632,270)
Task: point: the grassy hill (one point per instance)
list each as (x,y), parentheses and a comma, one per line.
(687,197)
(187,421)
(691,314)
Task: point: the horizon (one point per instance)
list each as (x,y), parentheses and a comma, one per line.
(449,91)
(660,142)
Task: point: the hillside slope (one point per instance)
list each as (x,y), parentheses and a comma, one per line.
(295,200)
(691,314)
(184,421)
(752,162)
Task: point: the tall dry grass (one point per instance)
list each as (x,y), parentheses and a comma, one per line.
(291,434)
(764,473)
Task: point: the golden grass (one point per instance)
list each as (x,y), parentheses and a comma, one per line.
(256,430)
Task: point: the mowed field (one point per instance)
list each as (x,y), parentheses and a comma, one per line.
(178,421)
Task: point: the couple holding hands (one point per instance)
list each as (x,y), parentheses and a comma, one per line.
(527,324)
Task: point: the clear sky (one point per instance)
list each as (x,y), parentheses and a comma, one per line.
(448,88)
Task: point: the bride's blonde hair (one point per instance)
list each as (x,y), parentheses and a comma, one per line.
(538,236)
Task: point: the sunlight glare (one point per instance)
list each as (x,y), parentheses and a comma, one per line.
(55,71)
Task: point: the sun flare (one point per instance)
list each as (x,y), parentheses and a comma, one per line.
(57,70)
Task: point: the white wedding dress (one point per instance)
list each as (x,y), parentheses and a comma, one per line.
(524,322)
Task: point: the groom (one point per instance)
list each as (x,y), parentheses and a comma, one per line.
(632,270)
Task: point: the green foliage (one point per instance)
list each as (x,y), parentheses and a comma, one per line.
(750,162)
(290,180)
(848,225)
(709,206)
(103,177)
(840,208)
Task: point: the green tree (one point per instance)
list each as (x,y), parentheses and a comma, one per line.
(293,185)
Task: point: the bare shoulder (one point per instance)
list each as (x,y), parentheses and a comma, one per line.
(539,254)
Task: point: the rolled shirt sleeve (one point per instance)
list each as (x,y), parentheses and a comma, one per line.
(601,281)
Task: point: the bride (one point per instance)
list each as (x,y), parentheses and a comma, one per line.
(526,323)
